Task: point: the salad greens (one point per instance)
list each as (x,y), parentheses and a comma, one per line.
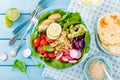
(69,19)
(20,65)
(58,11)
(57,64)
(48,48)
(87,43)
(39,65)
(65,21)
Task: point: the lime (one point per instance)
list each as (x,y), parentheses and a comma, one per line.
(8,23)
(54,29)
(13,14)
(51,37)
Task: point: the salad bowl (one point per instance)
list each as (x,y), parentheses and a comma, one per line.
(42,39)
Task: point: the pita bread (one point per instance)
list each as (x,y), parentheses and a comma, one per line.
(113,49)
(105,46)
(109,28)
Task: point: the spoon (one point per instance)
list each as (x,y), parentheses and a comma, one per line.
(27,53)
(108,75)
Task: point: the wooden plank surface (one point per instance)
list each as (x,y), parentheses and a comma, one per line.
(5,48)
(6,32)
(6,73)
(25,6)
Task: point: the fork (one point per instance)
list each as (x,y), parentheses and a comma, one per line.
(41,4)
(12,41)
(32,22)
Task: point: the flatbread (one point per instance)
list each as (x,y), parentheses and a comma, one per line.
(109,28)
(105,46)
(113,49)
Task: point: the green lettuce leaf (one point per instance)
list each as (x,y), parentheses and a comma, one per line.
(87,43)
(57,64)
(20,65)
(58,11)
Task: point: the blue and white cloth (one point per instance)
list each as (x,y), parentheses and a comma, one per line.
(90,16)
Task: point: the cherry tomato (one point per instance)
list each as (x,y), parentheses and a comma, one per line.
(40,50)
(42,36)
(51,55)
(49,40)
(45,55)
(36,42)
(43,42)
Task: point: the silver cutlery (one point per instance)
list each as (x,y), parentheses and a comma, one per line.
(32,21)
(16,30)
(23,22)
(12,40)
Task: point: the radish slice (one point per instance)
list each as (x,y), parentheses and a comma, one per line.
(79,55)
(59,57)
(73,61)
(64,59)
(65,51)
(27,53)
(74,53)
(3,56)
(68,56)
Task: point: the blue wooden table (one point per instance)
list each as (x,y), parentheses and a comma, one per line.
(26,7)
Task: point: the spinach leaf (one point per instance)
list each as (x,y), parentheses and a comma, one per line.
(66,25)
(39,65)
(87,43)
(87,38)
(20,65)
(86,49)
(48,48)
(64,17)
(70,19)
(57,64)
(58,11)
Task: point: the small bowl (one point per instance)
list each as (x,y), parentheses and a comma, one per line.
(87,75)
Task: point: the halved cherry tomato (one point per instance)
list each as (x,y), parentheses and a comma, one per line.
(36,42)
(51,55)
(40,50)
(45,55)
(43,42)
(49,40)
(42,36)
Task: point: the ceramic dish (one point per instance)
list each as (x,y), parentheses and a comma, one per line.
(96,58)
(58,64)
